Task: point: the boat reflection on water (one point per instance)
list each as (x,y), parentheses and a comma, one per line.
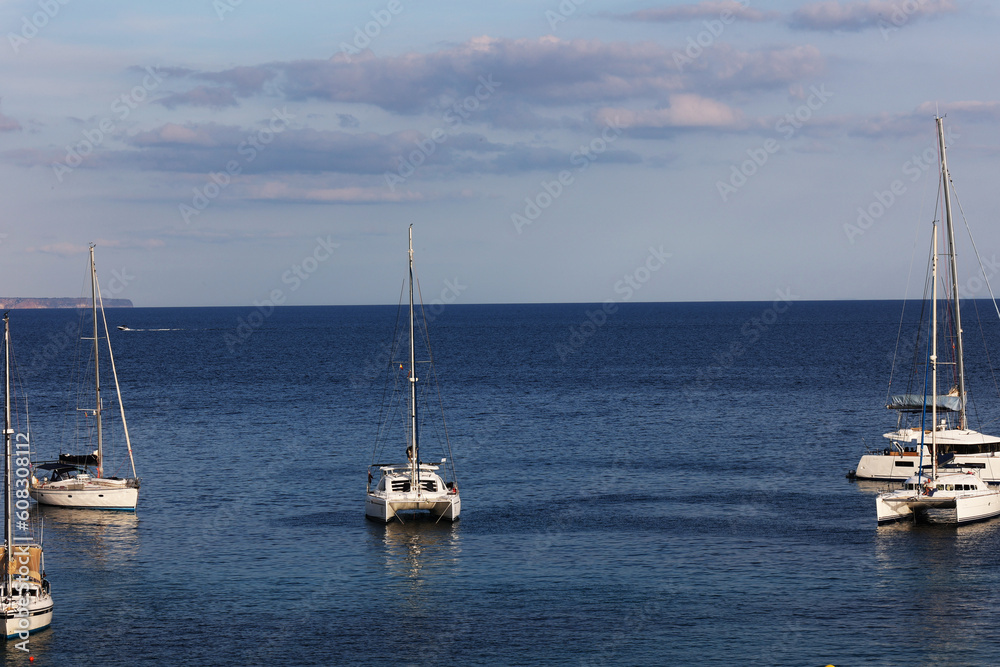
(423,568)
(422,549)
(929,575)
(104,537)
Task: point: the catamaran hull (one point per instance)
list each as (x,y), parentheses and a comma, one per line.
(385,510)
(39,617)
(104,498)
(892,467)
(966,509)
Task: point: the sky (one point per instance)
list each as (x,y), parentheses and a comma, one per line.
(235,152)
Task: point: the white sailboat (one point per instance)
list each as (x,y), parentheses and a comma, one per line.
(81,480)
(960,445)
(960,491)
(415,485)
(25,596)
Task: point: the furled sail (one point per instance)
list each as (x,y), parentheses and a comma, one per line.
(918,402)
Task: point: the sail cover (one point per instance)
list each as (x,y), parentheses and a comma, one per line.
(918,402)
(79,460)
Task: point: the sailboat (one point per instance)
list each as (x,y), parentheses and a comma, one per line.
(957,444)
(25,595)
(414,485)
(958,490)
(81,480)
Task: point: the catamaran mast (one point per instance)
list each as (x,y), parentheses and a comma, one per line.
(934,288)
(415,458)
(8,524)
(950,230)
(97,374)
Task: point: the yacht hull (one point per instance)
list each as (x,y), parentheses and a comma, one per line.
(97,497)
(379,508)
(893,507)
(892,467)
(39,617)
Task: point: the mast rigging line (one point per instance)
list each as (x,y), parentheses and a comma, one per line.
(383,408)
(437,384)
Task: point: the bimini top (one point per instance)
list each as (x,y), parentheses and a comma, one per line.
(918,402)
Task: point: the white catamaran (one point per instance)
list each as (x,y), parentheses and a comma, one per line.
(957,444)
(415,485)
(25,596)
(957,490)
(81,480)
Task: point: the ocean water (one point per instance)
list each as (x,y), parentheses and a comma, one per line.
(663,484)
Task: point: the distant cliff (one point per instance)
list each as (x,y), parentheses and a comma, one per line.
(9,302)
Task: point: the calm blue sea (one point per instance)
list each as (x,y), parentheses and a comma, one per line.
(662,484)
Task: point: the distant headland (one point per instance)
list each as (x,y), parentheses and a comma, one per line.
(10,302)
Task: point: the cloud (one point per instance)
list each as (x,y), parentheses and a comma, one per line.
(223,89)
(348,120)
(855,16)
(709,9)
(983,111)
(685,111)
(917,122)
(216,97)
(8,124)
(491,78)
(206,148)
(279,191)
(209,147)
(191,135)
(730,69)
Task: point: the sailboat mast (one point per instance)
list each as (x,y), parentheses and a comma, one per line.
(8,524)
(414,461)
(97,374)
(950,230)
(934,288)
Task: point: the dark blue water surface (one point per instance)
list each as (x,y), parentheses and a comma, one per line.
(661,484)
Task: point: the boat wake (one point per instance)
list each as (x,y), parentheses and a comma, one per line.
(121,328)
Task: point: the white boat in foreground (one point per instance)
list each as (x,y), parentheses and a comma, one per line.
(24,596)
(395,493)
(965,495)
(81,480)
(958,445)
(415,485)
